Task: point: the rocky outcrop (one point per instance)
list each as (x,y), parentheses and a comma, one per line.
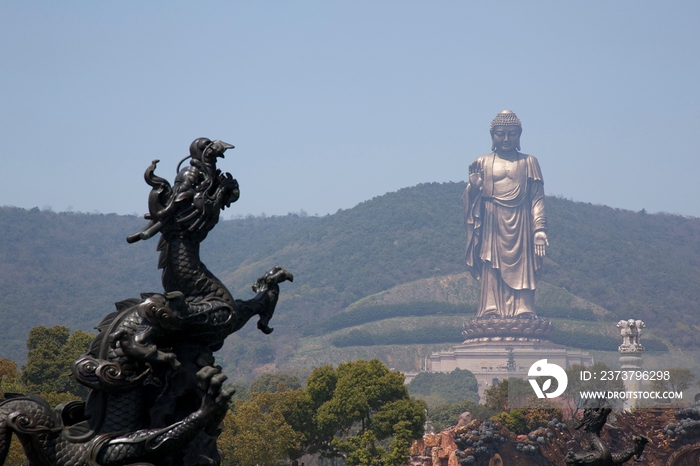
(673,432)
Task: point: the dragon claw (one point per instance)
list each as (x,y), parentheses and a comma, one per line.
(215,384)
(274,276)
(211,381)
(264,328)
(205,376)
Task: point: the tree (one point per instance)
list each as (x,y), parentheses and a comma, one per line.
(496,397)
(524,420)
(517,407)
(352,412)
(256,432)
(51,353)
(679,380)
(360,412)
(539,413)
(438,388)
(8,371)
(447,415)
(507,394)
(41,372)
(274,382)
(358,405)
(47,372)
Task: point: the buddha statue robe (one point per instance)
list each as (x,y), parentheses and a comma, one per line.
(501,218)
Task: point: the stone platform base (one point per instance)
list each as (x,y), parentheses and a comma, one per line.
(488,360)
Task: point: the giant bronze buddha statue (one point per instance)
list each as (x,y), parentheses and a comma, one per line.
(506,226)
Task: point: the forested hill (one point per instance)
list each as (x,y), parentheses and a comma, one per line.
(67,268)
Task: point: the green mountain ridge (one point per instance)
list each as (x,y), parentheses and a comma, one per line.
(67,268)
(462,289)
(456,294)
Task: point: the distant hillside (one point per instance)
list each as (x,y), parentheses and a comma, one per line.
(404,342)
(68,268)
(423,316)
(456,294)
(462,289)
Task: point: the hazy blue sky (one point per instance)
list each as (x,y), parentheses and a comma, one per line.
(331,103)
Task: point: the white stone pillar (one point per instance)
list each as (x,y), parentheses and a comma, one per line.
(631,354)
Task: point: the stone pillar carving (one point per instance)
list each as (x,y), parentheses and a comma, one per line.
(631,353)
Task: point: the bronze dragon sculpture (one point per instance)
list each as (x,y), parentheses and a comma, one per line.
(49,441)
(597,452)
(156,394)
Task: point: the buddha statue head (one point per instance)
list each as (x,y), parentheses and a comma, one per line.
(505,133)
